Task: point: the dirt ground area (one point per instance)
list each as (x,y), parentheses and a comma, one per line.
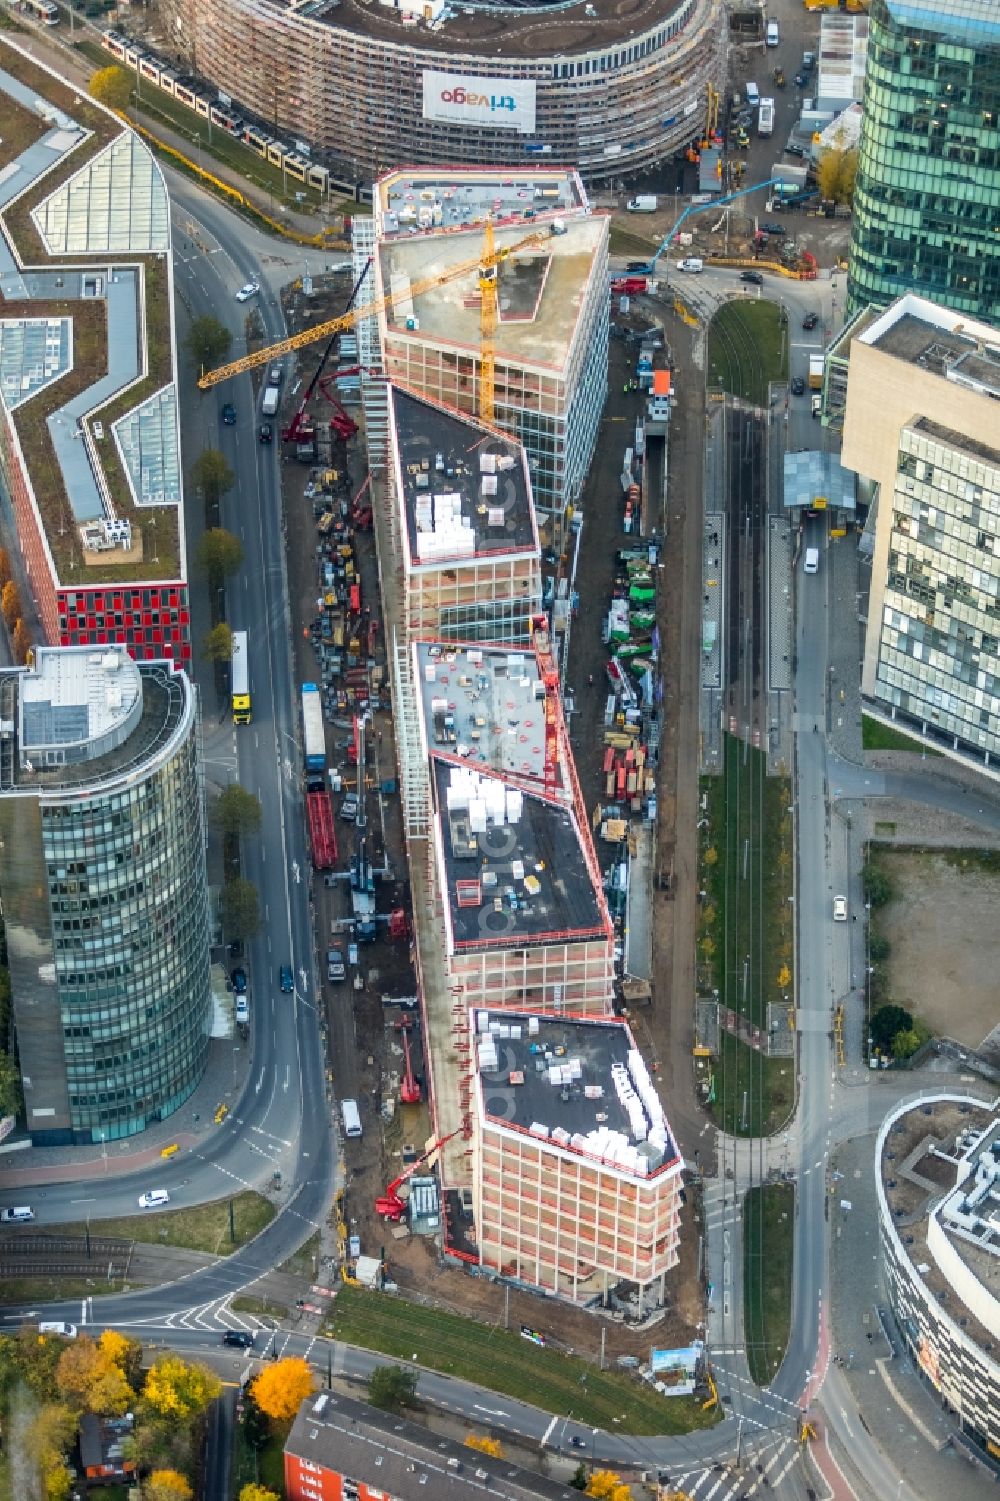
(945,947)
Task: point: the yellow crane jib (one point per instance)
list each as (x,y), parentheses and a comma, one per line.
(487,261)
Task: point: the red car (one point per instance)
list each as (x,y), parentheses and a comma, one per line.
(629,286)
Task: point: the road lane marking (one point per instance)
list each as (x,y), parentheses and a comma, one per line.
(545,1435)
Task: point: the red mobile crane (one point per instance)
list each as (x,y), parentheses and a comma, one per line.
(409,1089)
(390,1205)
(300,428)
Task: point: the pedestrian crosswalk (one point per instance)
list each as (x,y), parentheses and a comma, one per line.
(761,1471)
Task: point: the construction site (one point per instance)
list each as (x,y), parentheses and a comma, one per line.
(491,954)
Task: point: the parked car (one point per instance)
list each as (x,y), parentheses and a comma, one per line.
(840,909)
(642,268)
(817,405)
(229,414)
(239,1339)
(242,1010)
(248,290)
(239,979)
(349,808)
(794,149)
(285,981)
(797,386)
(752,276)
(335,968)
(264,433)
(775,229)
(810,320)
(808,61)
(154,1199)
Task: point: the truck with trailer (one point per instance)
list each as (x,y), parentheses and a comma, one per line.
(816,372)
(643,203)
(322,832)
(314,734)
(272,395)
(765,118)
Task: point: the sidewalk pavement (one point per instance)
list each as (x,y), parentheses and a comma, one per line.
(189,1127)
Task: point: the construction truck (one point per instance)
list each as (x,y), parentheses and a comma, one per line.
(816,372)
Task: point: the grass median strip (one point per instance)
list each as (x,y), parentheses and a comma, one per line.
(205,1228)
(768,1231)
(509,1365)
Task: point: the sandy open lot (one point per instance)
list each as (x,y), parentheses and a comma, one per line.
(945,937)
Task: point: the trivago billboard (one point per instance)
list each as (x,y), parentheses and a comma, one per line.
(461,99)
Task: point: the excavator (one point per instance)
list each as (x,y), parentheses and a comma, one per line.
(389,1205)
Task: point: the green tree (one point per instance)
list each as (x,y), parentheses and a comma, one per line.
(219,553)
(208,342)
(240,908)
(879,948)
(886,1023)
(214,478)
(10,1086)
(178,1388)
(905,1043)
(578,1479)
(218,644)
(237,811)
(876,884)
(111,86)
(391,1387)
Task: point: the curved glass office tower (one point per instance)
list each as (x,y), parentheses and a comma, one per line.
(927,194)
(104,888)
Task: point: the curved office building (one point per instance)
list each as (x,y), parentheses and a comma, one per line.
(937,1174)
(925,208)
(104,888)
(610,86)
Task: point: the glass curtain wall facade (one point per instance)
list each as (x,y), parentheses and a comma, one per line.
(926,210)
(104,888)
(939,654)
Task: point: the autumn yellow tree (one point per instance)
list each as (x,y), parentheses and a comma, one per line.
(5,569)
(281,1389)
(125,1353)
(258,1493)
(10,603)
(176,1388)
(52,1431)
(89,1381)
(485,1445)
(608,1486)
(167,1485)
(21,642)
(111,86)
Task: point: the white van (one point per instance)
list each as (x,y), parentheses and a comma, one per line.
(690,263)
(811,564)
(19,1216)
(753,95)
(772,34)
(351,1117)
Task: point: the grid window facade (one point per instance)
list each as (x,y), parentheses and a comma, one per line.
(358,96)
(152,620)
(928,181)
(939,652)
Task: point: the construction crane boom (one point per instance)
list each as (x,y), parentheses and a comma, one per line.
(479,265)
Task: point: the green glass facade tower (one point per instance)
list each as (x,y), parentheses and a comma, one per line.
(927,196)
(104,887)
